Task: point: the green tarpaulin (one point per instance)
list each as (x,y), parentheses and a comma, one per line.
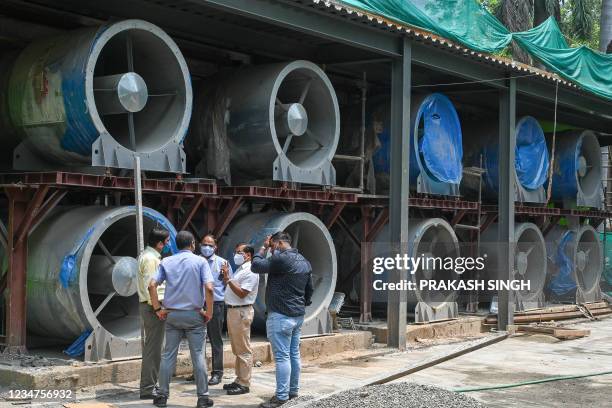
(469,23)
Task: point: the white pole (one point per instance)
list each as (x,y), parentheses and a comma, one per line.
(138,201)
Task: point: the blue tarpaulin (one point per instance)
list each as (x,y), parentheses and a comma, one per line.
(563,281)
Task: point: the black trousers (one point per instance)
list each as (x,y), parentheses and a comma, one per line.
(215,330)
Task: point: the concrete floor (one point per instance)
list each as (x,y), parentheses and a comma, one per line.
(520,358)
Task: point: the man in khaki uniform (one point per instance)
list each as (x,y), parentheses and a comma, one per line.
(148,263)
(239,298)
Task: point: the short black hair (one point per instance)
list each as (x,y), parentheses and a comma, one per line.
(211,236)
(281,236)
(157,235)
(184,239)
(247,248)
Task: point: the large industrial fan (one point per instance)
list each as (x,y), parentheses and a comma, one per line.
(575,263)
(99,96)
(436,150)
(529,251)
(82,276)
(313,241)
(531,160)
(576,177)
(432,240)
(273,122)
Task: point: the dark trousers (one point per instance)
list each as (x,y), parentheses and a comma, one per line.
(151,354)
(215,330)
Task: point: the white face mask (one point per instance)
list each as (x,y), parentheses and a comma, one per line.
(238,259)
(207,250)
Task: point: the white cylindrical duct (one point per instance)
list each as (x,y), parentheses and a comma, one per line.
(429,238)
(529,251)
(98,96)
(576,262)
(276,122)
(312,240)
(82,276)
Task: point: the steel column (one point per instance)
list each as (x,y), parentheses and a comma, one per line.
(507,139)
(398,191)
(365,293)
(17,265)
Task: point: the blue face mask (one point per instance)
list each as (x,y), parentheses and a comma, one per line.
(207,250)
(166,249)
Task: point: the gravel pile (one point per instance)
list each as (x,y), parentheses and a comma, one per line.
(398,395)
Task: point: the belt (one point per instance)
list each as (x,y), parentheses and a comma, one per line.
(237,306)
(216,302)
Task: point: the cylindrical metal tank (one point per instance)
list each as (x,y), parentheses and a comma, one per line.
(577,169)
(282,122)
(529,251)
(312,240)
(436,152)
(531,162)
(99,95)
(575,263)
(82,276)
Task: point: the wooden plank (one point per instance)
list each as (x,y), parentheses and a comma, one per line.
(562,333)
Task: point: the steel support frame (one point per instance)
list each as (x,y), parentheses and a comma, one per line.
(26,209)
(507,119)
(399,189)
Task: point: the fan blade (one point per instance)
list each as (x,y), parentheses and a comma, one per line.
(106,251)
(305,91)
(287,142)
(529,250)
(131,130)
(130,53)
(104,303)
(296,237)
(312,135)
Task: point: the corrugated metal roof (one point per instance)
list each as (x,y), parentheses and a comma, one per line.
(363,17)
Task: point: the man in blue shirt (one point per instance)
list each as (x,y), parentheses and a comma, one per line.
(215,326)
(189,284)
(288,291)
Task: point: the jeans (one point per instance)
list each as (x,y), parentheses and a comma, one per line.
(215,335)
(151,353)
(188,323)
(284,335)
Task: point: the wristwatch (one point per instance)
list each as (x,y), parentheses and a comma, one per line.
(157,310)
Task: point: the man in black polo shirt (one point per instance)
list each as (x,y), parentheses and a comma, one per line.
(288,292)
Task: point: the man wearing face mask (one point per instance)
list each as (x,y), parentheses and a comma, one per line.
(148,262)
(239,299)
(215,326)
(288,291)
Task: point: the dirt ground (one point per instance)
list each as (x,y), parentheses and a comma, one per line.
(517,359)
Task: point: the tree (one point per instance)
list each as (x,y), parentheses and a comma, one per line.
(605,33)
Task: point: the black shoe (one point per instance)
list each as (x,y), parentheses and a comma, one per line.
(273,403)
(292,396)
(238,389)
(160,401)
(147,396)
(214,379)
(230,385)
(204,402)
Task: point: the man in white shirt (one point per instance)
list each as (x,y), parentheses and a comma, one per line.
(239,299)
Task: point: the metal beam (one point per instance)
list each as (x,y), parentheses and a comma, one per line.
(577,100)
(365,287)
(507,141)
(199,26)
(457,65)
(398,191)
(308,21)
